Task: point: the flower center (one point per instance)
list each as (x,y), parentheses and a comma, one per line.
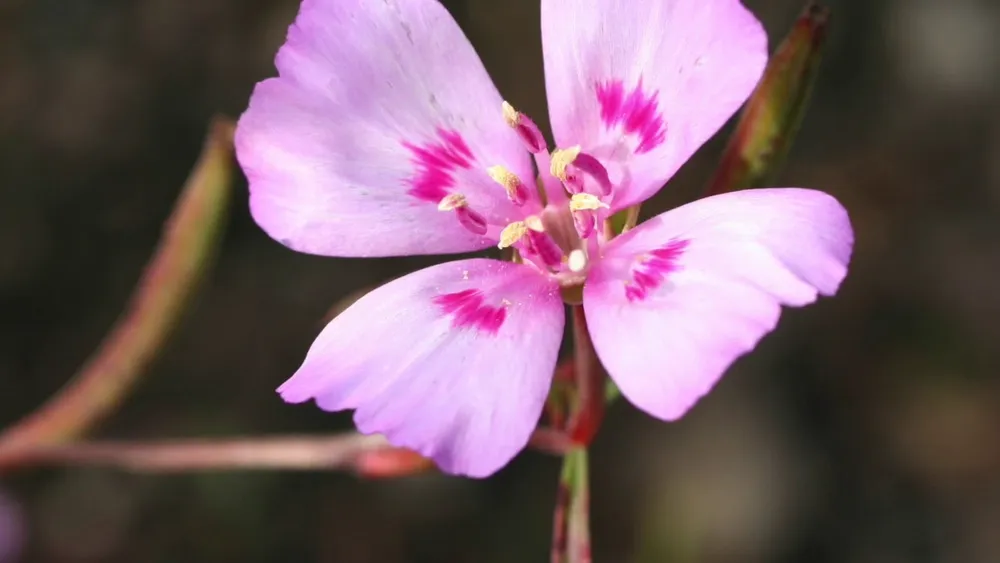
(564,237)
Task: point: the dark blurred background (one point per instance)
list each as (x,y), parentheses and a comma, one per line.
(864,430)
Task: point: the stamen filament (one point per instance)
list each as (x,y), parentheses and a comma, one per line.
(593,168)
(471,220)
(542,245)
(586,223)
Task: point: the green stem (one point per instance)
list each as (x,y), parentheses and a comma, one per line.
(571,538)
(589,377)
(571,529)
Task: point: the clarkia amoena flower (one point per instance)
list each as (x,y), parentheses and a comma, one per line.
(383,135)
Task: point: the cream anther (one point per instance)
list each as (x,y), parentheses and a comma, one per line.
(585,202)
(561,159)
(535,224)
(517,192)
(452,202)
(512,233)
(511,115)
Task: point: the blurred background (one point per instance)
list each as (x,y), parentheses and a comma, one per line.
(864,430)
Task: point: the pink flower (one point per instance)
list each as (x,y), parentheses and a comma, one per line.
(383,135)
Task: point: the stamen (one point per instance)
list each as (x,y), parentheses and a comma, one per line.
(512,233)
(539,244)
(469,219)
(544,248)
(593,168)
(584,202)
(525,128)
(510,115)
(561,160)
(517,192)
(566,165)
(586,223)
(452,202)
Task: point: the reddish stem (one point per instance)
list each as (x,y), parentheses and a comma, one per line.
(589,377)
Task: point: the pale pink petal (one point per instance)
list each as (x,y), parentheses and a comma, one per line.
(454,361)
(641,84)
(381,109)
(674,302)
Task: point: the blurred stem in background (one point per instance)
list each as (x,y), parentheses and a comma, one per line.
(168,285)
(571,530)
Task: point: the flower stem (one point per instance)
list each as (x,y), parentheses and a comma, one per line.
(161,298)
(589,377)
(251,453)
(571,526)
(571,537)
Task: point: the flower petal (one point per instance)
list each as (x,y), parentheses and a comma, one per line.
(454,361)
(675,301)
(641,84)
(380,110)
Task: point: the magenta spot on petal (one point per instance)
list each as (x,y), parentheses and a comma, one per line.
(435,163)
(652,268)
(636,111)
(468,310)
